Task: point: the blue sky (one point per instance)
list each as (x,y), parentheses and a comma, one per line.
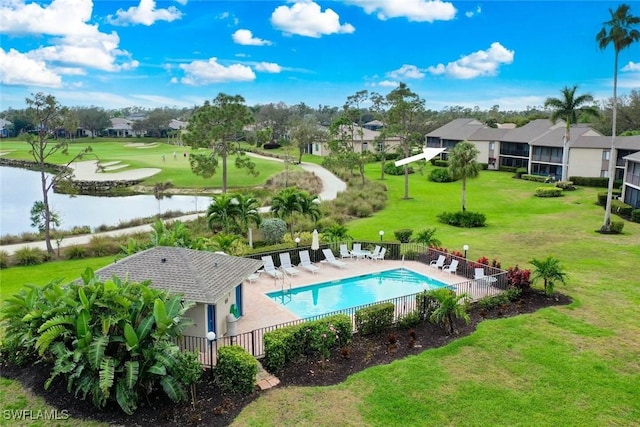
(150,53)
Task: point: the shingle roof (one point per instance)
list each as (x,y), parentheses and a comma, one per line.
(530,131)
(488,134)
(635,157)
(457,130)
(200,276)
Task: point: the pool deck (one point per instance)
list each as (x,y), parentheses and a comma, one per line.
(261,311)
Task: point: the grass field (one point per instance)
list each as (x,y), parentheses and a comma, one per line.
(135,154)
(563,366)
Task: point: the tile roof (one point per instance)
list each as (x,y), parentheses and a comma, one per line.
(200,276)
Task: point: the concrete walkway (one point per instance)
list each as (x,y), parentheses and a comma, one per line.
(331,186)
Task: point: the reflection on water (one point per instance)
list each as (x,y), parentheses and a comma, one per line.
(20,188)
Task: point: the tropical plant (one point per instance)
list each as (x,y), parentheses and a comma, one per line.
(621,32)
(463,165)
(427,237)
(336,233)
(567,108)
(449,307)
(550,271)
(221,212)
(227,243)
(112,340)
(219,126)
(47,113)
(272,230)
(289,201)
(246,213)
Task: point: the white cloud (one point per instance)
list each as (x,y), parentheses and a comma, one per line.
(306,18)
(18,69)
(480,63)
(199,73)
(145,13)
(182,2)
(471,13)
(245,37)
(413,10)
(268,67)
(406,72)
(631,66)
(388,83)
(71,42)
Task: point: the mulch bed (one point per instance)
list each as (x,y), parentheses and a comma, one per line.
(217,408)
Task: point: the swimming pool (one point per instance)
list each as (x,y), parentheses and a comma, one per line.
(326,297)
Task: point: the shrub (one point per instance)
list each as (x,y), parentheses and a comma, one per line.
(102,245)
(635,215)
(441,163)
(271,146)
(616,227)
(273,230)
(520,172)
(602,196)
(392,169)
(594,181)
(519,279)
(566,185)
(4,259)
(440,175)
(29,256)
(483,166)
(410,320)
(619,207)
(535,178)
(403,235)
(465,219)
(360,209)
(236,369)
(75,252)
(548,192)
(374,318)
(511,169)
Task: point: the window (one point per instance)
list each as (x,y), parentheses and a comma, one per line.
(492,145)
(365,146)
(606,154)
(604,174)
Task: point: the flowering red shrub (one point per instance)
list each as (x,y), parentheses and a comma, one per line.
(520,279)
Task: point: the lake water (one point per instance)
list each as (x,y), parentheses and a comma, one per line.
(20,188)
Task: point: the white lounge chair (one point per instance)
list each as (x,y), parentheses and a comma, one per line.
(305,262)
(380,255)
(451,268)
(438,263)
(344,252)
(269,267)
(375,253)
(285,264)
(253,277)
(481,277)
(331,259)
(357,251)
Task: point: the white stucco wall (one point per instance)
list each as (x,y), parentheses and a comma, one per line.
(198,314)
(585,162)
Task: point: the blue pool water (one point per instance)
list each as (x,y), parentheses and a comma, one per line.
(326,297)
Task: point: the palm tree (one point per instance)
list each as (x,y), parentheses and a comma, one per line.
(618,31)
(567,108)
(221,212)
(550,271)
(291,201)
(449,309)
(463,165)
(427,237)
(246,213)
(337,233)
(227,243)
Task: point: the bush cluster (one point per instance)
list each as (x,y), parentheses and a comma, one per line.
(236,369)
(635,215)
(392,169)
(548,192)
(314,337)
(403,235)
(594,181)
(375,318)
(29,256)
(535,178)
(602,196)
(503,298)
(566,185)
(520,172)
(440,163)
(465,219)
(619,207)
(440,175)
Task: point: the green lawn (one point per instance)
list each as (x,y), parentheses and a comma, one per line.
(150,155)
(562,366)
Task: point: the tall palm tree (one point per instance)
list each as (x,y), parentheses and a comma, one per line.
(620,32)
(567,108)
(221,212)
(550,271)
(463,165)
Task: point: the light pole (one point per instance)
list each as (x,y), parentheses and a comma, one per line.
(297,242)
(465,248)
(211,337)
(381,233)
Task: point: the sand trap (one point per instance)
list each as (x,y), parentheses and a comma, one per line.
(2,153)
(141,145)
(88,171)
(114,167)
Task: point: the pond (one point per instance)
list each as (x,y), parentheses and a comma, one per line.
(20,188)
